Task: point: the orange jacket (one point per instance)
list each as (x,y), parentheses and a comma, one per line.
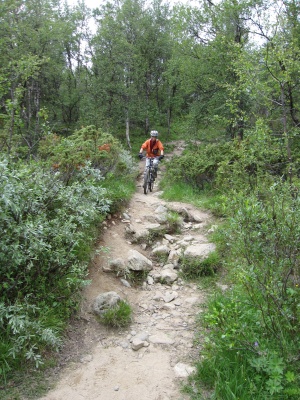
(155,151)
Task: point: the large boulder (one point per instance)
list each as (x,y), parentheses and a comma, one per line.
(161,214)
(161,250)
(105,301)
(199,251)
(138,262)
(168,275)
(188,212)
(143,233)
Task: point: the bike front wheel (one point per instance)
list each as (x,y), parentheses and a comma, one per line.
(151,182)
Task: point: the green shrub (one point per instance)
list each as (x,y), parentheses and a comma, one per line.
(233,165)
(197,166)
(45,227)
(259,159)
(251,349)
(24,335)
(117,316)
(102,151)
(241,358)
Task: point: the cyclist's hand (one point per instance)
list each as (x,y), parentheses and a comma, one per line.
(160,157)
(140,155)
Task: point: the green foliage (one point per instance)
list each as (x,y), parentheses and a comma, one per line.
(118,316)
(252,329)
(266,233)
(236,165)
(87,146)
(25,334)
(149,63)
(119,190)
(30,383)
(197,165)
(131,49)
(178,191)
(258,159)
(242,359)
(34,73)
(47,232)
(40,219)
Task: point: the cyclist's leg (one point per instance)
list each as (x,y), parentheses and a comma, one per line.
(147,163)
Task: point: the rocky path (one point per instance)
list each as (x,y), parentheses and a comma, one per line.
(152,358)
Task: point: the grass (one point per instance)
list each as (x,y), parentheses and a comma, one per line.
(194,268)
(27,383)
(174,222)
(239,359)
(206,199)
(208,282)
(119,191)
(118,316)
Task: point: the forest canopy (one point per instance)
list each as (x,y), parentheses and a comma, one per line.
(226,64)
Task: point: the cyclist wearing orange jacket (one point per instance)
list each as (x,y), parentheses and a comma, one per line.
(154,149)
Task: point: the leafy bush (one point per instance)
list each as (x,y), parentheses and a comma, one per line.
(234,165)
(50,213)
(197,166)
(252,343)
(25,334)
(45,226)
(47,230)
(259,159)
(101,150)
(241,358)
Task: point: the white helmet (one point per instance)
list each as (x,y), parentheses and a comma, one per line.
(154,133)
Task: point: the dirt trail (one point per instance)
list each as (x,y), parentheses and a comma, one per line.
(99,363)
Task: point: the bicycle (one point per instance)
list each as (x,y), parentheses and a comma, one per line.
(149,176)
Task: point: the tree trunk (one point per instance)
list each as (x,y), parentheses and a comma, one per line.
(285,132)
(127,130)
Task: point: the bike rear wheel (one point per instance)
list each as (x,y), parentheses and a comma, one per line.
(146,181)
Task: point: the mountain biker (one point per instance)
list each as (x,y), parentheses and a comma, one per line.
(154,149)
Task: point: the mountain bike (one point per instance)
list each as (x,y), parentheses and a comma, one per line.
(149,177)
